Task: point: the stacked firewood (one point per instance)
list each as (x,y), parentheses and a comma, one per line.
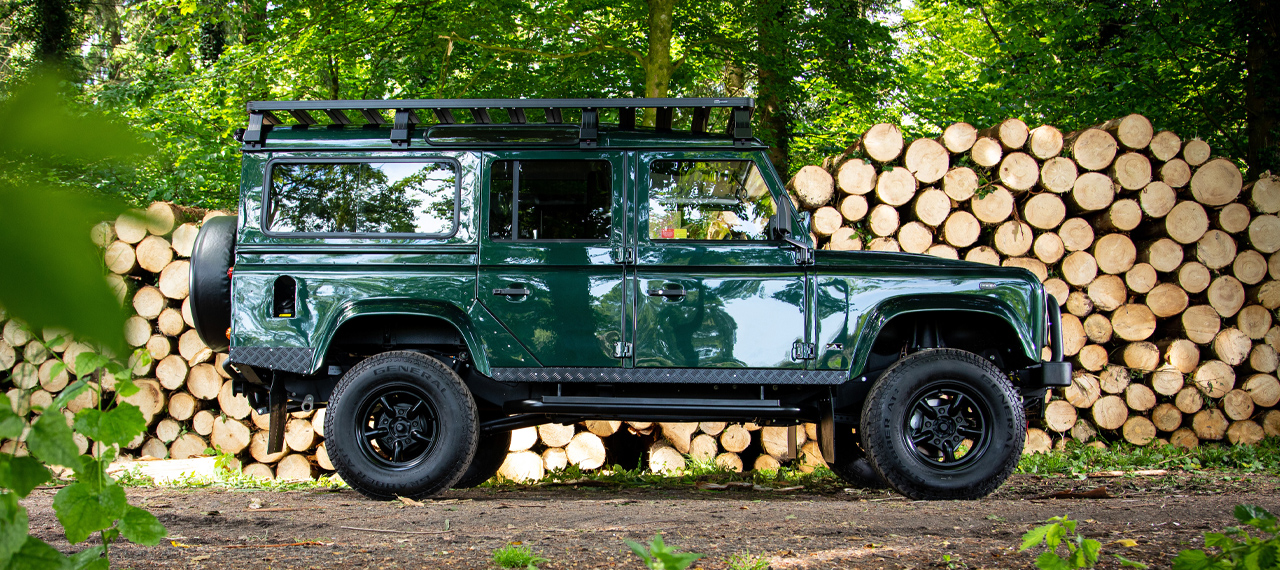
(1165,263)
(669,447)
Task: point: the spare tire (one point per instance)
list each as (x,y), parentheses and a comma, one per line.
(211,260)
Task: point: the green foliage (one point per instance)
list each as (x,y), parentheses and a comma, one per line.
(1076,459)
(54,274)
(657,556)
(55,279)
(1236,548)
(747,561)
(516,556)
(1081,552)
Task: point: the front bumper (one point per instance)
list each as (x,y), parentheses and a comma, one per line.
(1056,373)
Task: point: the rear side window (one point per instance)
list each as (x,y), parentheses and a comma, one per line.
(395,197)
(708,200)
(550,200)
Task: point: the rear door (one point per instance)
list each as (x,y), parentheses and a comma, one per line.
(550,268)
(711,288)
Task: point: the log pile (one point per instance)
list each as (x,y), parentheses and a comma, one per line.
(1166,264)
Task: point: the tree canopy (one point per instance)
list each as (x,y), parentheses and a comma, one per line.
(822,71)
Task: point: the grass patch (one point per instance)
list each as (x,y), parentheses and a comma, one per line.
(1076,459)
(516,556)
(232,480)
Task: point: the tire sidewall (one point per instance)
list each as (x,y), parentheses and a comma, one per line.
(891,400)
(456,427)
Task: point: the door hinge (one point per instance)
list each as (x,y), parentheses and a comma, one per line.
(803,351)
(622,350)
(623,255)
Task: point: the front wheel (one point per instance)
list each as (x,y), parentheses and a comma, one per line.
(401,424)
(943,424)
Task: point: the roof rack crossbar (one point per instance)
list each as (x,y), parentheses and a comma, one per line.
(444,116)
(554,116)
(517,116)
(373,117)
(663,122)
(627,118)
(303,117)
(338,117)
(700,117)
(481,115)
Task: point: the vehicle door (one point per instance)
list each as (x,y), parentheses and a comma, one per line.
(712,287)
(549,267)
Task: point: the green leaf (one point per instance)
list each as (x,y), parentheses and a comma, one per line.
(11,424)
(1254,516)
(69,393)
(13,527)
(21,474)
(54,276)
(677,560)
(89,362)
(125,386)
(141,527)
(50,440)
(1091,548)
(36,555)
(640,551)
(1048,560)
(1035,536)
(1192,560)
(116,426)
(84,510)
(90,559)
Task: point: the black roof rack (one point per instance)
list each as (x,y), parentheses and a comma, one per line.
(408,113)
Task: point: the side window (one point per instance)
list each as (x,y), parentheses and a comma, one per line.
(708,200)
(364,197)
(550,200)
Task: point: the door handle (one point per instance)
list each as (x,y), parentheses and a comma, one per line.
(670,292)
(511,292)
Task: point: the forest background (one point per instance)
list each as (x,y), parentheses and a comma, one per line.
(822,71)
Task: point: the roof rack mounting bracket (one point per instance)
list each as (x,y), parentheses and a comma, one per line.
(517,116)
(554,116)
(590,127)
(627,118)
(740,126)
(254,135)
(663,122)
(444,116)
(402,128)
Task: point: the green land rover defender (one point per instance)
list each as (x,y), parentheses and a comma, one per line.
(438,273)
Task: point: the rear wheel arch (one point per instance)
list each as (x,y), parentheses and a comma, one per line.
(366,331)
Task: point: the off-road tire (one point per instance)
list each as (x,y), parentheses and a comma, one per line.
(908,384)
(491,451)
(851,461)
(407,375)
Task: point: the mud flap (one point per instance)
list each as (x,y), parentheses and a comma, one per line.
(827,431)
(279,402)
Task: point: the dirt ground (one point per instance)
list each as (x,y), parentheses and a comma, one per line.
(584,527)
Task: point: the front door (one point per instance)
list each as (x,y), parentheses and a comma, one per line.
(549,267)
(712,288)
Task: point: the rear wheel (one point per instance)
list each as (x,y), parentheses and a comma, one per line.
(943,424)
(491,451)
(401,424)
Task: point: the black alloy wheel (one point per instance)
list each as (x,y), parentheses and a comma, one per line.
(401,424)
(943,424)
(397,427)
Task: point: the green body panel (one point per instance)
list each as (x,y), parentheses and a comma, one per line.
(858,292)
(747,304)
(573,314)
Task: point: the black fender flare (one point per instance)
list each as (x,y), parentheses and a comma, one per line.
(210,291)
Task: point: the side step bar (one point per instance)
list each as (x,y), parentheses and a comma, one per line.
(569,409)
